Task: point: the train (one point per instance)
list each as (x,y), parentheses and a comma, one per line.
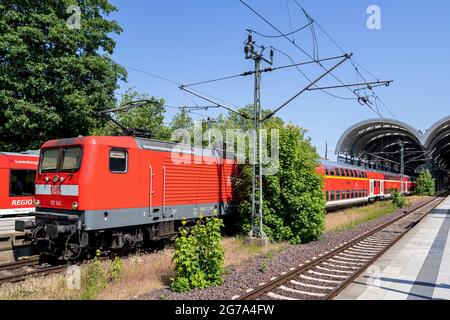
(17,183)
(121,192)
(346,185)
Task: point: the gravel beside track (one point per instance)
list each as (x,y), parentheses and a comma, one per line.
(237,282)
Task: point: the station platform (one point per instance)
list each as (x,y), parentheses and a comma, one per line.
(416,268)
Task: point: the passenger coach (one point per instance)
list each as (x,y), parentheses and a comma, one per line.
(346,185)
(17,176)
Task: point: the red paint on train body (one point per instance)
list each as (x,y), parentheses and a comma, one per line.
(346,185)
(105,173)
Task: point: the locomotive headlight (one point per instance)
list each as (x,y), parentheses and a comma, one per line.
(74,205)
(37,203)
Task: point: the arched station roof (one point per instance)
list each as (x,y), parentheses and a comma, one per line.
(437,142)
(378,141)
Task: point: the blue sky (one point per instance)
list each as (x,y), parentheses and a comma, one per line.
(190,41)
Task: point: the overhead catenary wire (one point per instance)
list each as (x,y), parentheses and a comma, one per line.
(270,69)
(307,78)
(360,99)
(289,17)
(353,61)
(282,35)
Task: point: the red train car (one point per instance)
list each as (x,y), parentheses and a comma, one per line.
(17,176)
(120,191)
(347,185)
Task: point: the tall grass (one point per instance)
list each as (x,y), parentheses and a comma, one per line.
(352,217)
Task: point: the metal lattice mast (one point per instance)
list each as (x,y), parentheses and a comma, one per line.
(257,178)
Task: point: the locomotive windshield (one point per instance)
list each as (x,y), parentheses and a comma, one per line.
(65,159)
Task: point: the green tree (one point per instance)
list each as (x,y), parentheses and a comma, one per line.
(294,203)
(54,78)
(425,183)
(182,120)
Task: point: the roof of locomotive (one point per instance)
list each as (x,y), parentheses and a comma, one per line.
(329,163)
(141,143)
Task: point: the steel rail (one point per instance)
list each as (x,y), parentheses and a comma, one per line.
(18,264)
(36,272)
(256,293)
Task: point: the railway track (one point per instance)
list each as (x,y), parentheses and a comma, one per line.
(325,276)
(24,269)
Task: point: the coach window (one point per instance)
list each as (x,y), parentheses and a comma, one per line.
(332,197)
(21,183)
(332,172)
(118,161)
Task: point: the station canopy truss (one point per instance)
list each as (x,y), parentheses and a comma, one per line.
(378,144)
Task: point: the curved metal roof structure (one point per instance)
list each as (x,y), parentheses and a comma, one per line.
(437,142)
(378,143)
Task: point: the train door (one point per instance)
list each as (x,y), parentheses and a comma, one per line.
(151,189)
(372,188)
(381,188)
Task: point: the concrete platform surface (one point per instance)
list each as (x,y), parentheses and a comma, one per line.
(415,268)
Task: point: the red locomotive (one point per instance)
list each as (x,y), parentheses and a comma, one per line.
(116,192)
(347,185)
(17,175)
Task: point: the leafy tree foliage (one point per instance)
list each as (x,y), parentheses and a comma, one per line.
(425,183)
(293,201)
(54,78)
(399,200)
(182,120)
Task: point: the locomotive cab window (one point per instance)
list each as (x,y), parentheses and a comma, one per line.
(118,161)
(71,159)
(21,183)
(49,160)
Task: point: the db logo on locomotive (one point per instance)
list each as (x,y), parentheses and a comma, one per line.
(56,190)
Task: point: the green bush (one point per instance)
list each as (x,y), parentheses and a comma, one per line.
(116,269)
(198,256)
(94,280)
(398,199)
(294,203)
(425,184)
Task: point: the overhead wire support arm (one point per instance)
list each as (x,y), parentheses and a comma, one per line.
(242,114)
(346,57)
(270,69)
(197,108)
(367,85)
